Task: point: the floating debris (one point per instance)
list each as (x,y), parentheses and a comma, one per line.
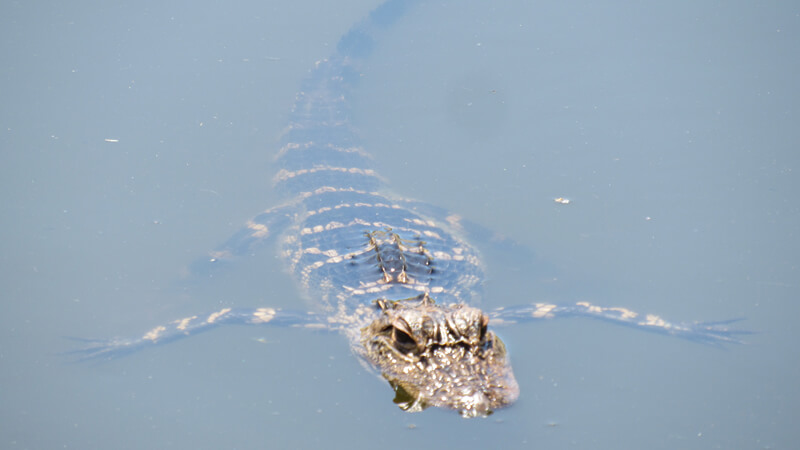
(561,200)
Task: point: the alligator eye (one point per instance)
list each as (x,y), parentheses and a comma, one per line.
(403,341)
(484,327)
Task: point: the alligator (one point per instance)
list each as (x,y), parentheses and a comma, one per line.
(395,276)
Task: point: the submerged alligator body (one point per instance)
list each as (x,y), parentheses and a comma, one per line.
(394,276)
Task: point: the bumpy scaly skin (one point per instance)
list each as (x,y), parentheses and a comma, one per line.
(441,356)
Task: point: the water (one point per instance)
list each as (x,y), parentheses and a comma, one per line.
(671,129)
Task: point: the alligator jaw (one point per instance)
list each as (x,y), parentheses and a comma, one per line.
(441,356)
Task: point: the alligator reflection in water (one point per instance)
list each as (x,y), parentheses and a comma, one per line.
(393,275)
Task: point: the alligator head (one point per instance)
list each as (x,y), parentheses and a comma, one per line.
(441,356)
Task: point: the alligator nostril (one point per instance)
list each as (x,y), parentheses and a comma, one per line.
(475,405)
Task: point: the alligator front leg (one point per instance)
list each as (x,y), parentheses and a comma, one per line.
(189,326)
(715,333)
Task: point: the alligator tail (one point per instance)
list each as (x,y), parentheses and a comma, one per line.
(320,147)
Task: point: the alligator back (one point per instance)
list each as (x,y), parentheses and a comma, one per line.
(348,240)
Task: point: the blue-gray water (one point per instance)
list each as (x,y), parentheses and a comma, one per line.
(673,129)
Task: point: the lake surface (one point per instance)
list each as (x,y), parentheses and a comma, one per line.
(136,137)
